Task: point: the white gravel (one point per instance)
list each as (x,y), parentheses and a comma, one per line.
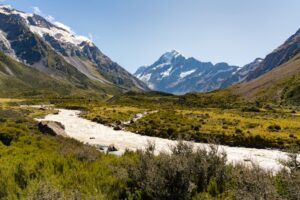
(82,130)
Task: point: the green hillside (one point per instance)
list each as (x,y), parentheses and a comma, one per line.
(18,80)
(281,85)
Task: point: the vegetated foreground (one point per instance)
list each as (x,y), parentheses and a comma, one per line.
(100,135)
(38,166)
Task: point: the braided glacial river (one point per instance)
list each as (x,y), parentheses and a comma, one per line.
(97,134)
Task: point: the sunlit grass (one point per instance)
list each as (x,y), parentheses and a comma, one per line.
(108,114)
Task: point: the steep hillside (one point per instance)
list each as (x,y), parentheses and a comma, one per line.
(33,40)
(279,56)
(17,79)
(174,73)
(281,84)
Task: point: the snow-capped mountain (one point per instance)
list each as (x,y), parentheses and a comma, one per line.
(176,74)
(51,48)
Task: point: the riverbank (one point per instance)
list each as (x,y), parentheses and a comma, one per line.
(83,130)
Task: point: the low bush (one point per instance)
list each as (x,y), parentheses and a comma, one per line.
(250,109)
(274,128)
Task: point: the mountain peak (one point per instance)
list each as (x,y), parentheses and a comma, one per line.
(9,10)
(175,74)
(258,60)
(8,7)
(44,26)
(73,57)
(170,55)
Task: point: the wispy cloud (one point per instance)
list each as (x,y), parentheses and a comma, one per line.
(91,37)
(50,18)
(36,10)
(59,24)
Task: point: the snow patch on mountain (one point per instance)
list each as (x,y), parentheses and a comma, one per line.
(187,73)
(169,56)
(161,65)
(59,34)
(62,32)
(145,78)
(9,10)
(5,45)
(176,74)
(166,73)
(3,38)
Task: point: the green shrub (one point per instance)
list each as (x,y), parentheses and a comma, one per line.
(250,109)
(6,139)
(179,175)
(274,128)
(238,131)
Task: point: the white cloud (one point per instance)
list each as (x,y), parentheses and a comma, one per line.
(36,10)
(51,19)
(91,37)
(59,24)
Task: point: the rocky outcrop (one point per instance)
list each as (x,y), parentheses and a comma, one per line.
(111,148)
(52,128)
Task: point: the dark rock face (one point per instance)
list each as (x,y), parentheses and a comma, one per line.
(52,128)
(24,43)
(176,74)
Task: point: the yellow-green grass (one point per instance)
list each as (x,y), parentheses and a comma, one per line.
(8,100)
(277,127)
(230,126)
(107,114)
(251,123)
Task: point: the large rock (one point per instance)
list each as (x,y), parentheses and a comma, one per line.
(111,148)
(52,128)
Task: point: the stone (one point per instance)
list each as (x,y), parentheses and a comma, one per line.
(52,128)
(111,148)
(118,128)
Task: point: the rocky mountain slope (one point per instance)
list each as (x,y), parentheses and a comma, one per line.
(277,77)
(282,84)
(242,74)
(34,41)
(279,56)
(19,80)
(176,74)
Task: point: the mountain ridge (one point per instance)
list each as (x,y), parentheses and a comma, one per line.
(34,41)
(176,74)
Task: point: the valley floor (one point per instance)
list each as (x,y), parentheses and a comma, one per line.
(97,134)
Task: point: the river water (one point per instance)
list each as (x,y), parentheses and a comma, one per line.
(97,134)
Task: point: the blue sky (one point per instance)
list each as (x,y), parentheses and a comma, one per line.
(137,32)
